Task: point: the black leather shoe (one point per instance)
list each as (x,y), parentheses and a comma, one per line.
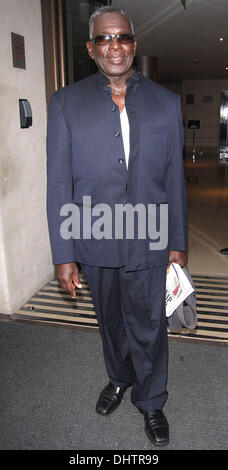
(156,427)
(109,399)
(224,251)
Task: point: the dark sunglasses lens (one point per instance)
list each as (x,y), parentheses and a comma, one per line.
(103,40)
(125,38)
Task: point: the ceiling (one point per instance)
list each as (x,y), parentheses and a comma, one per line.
(185,41)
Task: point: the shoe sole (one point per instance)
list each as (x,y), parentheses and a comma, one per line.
(156,443)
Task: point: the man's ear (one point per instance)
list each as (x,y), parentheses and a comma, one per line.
(89,46)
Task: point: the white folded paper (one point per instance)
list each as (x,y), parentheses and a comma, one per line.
(178,288)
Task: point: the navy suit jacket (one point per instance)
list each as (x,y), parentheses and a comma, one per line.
(85,157)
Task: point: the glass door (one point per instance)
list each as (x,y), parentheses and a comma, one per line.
(65,32)
(77,14)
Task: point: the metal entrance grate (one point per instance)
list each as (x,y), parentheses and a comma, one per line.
(52,305)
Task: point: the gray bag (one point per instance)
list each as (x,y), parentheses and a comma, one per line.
(185,316)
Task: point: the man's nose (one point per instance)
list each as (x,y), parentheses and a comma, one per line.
(115,43)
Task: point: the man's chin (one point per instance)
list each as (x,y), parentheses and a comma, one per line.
(117,71)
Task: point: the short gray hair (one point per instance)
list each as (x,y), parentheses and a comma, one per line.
(107,9)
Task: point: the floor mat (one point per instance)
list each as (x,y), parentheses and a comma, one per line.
(52,305)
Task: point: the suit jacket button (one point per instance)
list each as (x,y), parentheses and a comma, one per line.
(117,133)
(113,108)
(121,160)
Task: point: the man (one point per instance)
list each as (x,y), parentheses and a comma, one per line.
(118,137)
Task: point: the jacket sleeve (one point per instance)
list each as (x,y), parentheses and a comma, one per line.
(59,180)
(176,191)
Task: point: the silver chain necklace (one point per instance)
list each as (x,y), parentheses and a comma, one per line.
(117,92)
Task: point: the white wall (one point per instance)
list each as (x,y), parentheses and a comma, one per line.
(24,244)
(208,113)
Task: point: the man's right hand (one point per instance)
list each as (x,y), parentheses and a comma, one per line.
(68,277)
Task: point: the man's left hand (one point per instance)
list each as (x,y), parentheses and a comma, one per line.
(178,257)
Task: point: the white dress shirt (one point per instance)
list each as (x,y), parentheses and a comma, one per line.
(125,133)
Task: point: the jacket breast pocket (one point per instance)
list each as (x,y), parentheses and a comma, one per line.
(157,130)
(154,153)
(155,146)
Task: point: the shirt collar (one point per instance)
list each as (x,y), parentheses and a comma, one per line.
(103,80)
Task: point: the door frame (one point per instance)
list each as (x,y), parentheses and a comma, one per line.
(54,45)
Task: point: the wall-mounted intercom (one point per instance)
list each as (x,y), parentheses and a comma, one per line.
(25,113)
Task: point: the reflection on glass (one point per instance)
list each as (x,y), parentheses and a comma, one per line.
(224,125)
(78,12)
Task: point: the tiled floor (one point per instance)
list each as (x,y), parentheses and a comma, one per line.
(207,190)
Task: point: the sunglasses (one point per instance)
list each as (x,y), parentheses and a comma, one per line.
(106,39)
